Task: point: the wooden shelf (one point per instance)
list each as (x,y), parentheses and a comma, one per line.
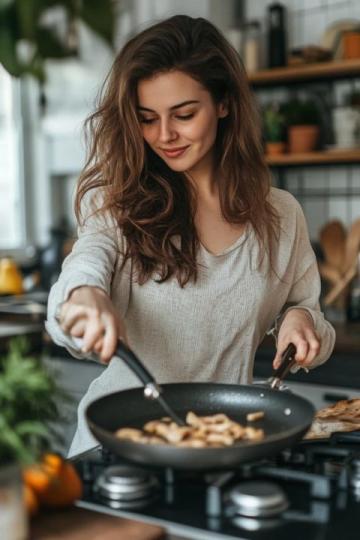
(322,157)
(306,73)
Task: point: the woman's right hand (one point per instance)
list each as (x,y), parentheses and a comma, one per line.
(89,314)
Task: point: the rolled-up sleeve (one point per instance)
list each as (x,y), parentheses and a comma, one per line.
(305,291)
(91,262)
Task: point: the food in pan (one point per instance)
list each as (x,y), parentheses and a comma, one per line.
(213,431)
(342,416)
(254,416)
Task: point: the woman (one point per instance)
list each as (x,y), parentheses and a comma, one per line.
(184,250)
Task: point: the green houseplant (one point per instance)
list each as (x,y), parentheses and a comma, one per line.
(303,125)
(274,129)
(32,31)
(27,408)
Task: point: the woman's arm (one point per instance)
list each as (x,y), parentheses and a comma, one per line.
(91,263)
(303,323)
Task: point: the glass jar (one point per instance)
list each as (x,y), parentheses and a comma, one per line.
(251,46)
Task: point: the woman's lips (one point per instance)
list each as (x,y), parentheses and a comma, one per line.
(176,152)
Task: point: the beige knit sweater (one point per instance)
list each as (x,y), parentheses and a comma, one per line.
(208,331)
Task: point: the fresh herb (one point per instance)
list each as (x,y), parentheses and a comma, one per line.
(301,112)
(27,405)
(274,124)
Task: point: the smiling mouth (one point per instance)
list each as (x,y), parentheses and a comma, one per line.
(174,152)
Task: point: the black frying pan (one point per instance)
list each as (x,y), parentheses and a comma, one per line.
(287,418)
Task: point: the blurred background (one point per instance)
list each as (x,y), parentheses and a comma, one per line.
(303,62)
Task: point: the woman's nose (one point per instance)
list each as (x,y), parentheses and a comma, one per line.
(167,133)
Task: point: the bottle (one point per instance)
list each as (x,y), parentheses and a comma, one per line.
(277,53)
(353,307)
(251,47)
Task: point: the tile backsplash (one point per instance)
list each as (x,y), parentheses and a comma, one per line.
(324,192)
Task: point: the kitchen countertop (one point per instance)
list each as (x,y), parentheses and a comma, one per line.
(80,524)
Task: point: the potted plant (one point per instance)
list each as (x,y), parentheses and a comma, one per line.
(274,130)
(303,125)
(27,406)
(34,31)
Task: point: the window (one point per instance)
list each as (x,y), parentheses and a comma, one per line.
(12,215)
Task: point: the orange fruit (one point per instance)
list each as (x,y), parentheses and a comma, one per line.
(64,489)
(36,478)
(52,463)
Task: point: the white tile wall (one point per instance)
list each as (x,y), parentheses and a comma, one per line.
(307,21)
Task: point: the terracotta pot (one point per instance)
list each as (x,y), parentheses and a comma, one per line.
(351,44)
(275,148)
(303,138)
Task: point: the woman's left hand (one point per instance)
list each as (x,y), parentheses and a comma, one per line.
(298,328)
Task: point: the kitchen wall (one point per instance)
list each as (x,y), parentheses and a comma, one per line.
(307,22)
(55,151)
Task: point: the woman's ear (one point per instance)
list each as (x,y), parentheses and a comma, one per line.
(223,109)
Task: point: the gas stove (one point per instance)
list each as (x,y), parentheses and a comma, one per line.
(308,492)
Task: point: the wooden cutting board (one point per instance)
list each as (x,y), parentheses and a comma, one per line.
(80,524)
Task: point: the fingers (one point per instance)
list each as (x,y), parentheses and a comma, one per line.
(277,359)
(302,349)
(314,345)
(70,314)
(307,345)
(97,325)
(93,332)
(109,342)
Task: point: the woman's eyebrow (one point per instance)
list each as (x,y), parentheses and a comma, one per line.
(177,106)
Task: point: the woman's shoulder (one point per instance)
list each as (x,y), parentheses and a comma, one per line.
(283,201)
(291,216)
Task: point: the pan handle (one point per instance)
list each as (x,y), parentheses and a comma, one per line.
(133,362)
(287,362)
(151,389)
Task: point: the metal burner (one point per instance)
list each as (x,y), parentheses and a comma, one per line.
(126,486)
(258,499)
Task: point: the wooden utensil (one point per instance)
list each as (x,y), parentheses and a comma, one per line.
(331,274)
(332,241)
(352,249)
(340,287)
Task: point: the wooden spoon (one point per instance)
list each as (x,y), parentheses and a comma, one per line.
(332,241)
(340,287)
(352,250)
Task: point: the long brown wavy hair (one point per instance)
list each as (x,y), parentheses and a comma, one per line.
(151,203)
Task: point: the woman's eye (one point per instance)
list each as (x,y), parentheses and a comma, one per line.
(185,116)
(147,120)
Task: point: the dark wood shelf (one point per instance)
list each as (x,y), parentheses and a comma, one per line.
(324,157)
(321,71)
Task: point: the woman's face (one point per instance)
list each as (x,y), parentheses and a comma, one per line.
(179,120)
